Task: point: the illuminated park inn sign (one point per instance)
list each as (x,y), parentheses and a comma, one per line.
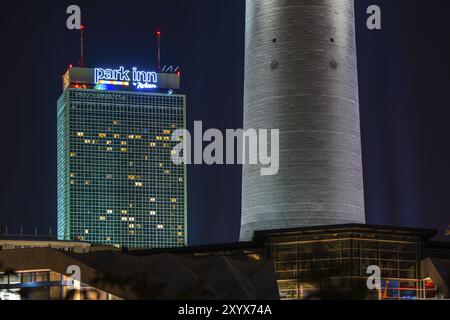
(108,78)
(123,77)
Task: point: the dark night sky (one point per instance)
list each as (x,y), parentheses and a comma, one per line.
(404,74)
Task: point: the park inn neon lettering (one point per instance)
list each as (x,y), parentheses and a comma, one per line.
(121,75)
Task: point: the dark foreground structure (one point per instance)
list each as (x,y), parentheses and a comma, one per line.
(327,262)
(40,273)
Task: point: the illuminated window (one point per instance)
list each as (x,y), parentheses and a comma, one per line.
(123,150)
(152,199)
(72,175)
(102,218)
(86,231)
(109,142)
(180,179)
(131,225)
(80,134)
(123,211)
(124,219)
(73,154)
(138,184)
(173,200)
(88,182)
(166,131)
(109,149)
(153,213)
(123,143)
(102,135)
(109,211)
(152,144)
(116,122)
(160,226)
(116,135)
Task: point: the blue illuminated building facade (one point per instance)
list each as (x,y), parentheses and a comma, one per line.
(117,184)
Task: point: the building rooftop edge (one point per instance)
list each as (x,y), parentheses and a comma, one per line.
(425,234)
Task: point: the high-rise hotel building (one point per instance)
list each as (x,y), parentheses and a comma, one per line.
(117,184)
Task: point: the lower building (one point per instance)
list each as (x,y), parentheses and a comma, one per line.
(44,273)
(69,246)
(331,262)
(325,262)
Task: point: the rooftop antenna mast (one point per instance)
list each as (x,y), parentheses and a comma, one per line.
(82,46)
(158,37)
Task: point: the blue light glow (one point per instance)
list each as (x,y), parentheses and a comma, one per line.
(122,75)
(141,80)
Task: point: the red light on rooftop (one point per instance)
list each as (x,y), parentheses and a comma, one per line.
(158,33)
(178,73)
(70,66)
(81,27)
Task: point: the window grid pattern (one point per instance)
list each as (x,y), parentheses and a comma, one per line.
(344,258)
(117,183)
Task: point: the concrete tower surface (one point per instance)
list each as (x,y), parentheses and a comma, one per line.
(301,78)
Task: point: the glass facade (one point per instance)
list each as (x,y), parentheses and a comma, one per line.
(117,184)
(335,265)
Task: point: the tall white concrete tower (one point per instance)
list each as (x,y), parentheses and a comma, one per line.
(301,78)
